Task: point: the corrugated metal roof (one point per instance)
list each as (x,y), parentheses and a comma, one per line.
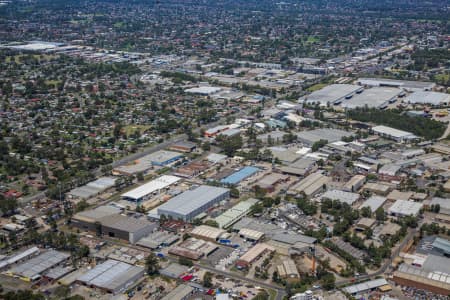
(240,175)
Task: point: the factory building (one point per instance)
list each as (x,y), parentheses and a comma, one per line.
(145,164)
(253,254)
(329,134)
(394,134)
(145,191)
(312,184)
(403,208)
(189,204)
(108,220)
(112,276)
(355,183)
(235,213)
(33,269)
(240,175)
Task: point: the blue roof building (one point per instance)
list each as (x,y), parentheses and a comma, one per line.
(240,175)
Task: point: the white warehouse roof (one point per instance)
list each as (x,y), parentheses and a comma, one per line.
(374,203)
(204,90)
(405,208)
(396,133)
(150,187)
(433,98)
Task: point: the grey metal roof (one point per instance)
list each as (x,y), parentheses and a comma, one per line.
(190,200)
(112,275)
(365,286)
(331,93)
(292,238)
(329,134)
(341,196)
(124,223)
(39,264)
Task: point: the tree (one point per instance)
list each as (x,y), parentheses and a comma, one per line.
(207,280)
(366,212)
(185,262)
(140,176)
(212,223)
(380,215)
(152,264)
(234,192)
(230,144)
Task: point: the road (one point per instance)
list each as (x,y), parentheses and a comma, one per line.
(446,133)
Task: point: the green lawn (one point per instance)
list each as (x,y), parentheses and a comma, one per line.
(316,87)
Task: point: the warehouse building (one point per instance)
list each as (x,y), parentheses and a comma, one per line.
(112,276)
(109,221)
(377,188)
(184,146)
(209,233)
(250,234)
(235,213)
(403,208)
(332,94)
(146,163)
(341,196)
(312,184)
(376,97)
(412,86)
(394,134)
(354,184)
(329,134)
(288,270)
(374,202)
(33,269)
(203,90)
(181,292)
(158,239)
(240,175)
(367,286)
(301,167)
(253,254)
(444,204)
(433,98)
(189,204)
(18,257)
(420,278)
(92,188)
(149,189)
(269,182)
(193,248)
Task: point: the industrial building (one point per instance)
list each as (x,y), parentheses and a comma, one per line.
(424,97)
(235,213)
(240,175)
(329,134)
(420,278)
(192,169)
(112,276)
(181,292)
(250,234)
(7,261)
(209,233)
(269,182)
(193,248)
(367,286)
(332,94)
(412,86)
(158,239)
(341,196)
(300,167)
(148,189)
(394,134)
(33,269)
(253,254)
(288,270)
(312,184)
(184,146)
(376,97)
(146,163)
(92,188)
(109,221)
(374,202)
(444,204)
(203,90)
(354,184)
(377,188)
(403,208)
(191,203)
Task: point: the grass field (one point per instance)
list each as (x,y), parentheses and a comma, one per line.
(316,87)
